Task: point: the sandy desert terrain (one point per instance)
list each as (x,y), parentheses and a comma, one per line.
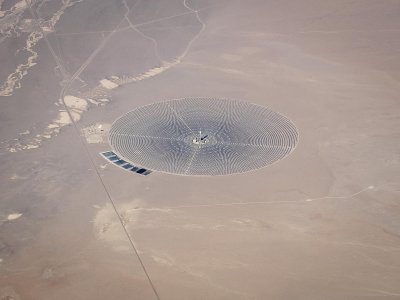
(323,223)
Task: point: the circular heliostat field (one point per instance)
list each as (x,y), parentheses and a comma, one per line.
(203,136)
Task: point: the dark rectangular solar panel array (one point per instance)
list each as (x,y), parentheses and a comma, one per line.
(120,162)
(112,157)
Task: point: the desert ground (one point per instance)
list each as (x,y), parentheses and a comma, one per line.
(323,223)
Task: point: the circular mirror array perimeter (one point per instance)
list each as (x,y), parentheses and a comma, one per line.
(203,136)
